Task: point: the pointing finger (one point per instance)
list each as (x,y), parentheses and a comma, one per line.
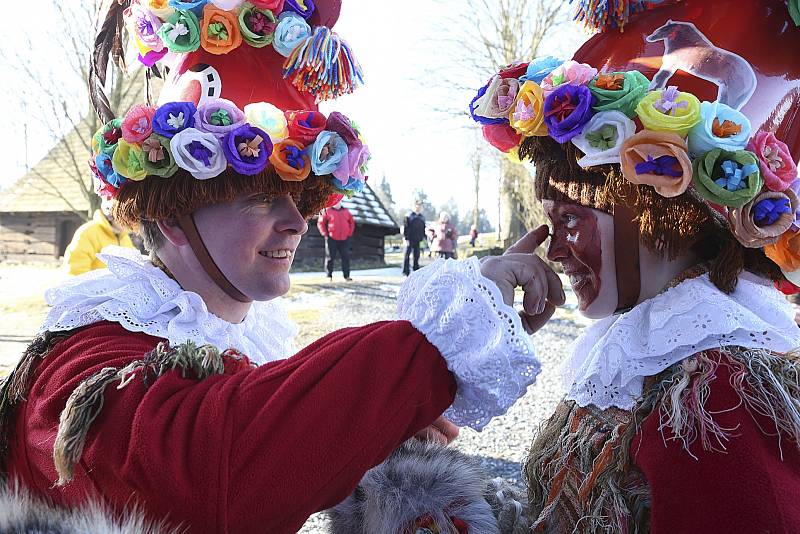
(530,241)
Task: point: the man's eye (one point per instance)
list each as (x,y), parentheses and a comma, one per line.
(569,220)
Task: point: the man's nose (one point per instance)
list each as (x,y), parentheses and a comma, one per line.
(289,218)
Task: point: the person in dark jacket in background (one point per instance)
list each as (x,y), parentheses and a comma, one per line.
(336,225)
(413,233)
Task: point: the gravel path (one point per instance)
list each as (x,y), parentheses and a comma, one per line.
(502,445)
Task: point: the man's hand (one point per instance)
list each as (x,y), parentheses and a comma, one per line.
(441,430)
(520,266)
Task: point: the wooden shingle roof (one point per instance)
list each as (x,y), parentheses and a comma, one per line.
(367,208)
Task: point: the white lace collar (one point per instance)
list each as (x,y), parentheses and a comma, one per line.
(142,298)
(611,358)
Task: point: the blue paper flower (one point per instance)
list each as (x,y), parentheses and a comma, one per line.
(173,117)
(539,68)
(720,126)
(353,185)
(106,169)
(195,6)
(327,153)
(292,30)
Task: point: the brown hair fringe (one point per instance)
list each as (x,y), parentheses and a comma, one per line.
(156,198)
(669,227)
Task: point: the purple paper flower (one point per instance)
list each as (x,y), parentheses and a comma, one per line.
(173,117)
(662,166)
(474,105)
(304,8)
(247,149)
(341,125)
(218,116)
(567,110)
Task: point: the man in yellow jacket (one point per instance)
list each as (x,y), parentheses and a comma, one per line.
(90,238)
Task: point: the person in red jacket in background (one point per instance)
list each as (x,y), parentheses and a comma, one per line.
(336,224)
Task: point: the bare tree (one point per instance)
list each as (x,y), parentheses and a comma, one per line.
(483,37)
(55,73)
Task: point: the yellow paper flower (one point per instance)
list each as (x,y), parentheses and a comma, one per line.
(160,8)
(527,112)
(669,111)
(128,161)
(269,118)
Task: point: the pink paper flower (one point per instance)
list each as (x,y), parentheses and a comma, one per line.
(570,72)
(776,162)
(138,123)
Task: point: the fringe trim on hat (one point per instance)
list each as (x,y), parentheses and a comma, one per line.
(86,402)
(158,199)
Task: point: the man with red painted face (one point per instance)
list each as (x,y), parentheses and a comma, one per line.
(170,384)
(674,219)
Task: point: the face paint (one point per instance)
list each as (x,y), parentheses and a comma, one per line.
(580,235)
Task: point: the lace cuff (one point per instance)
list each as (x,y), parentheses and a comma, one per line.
(482,339)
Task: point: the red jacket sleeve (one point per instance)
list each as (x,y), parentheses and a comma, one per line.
(745,488)
(258,450)
(322,223)
(351,224)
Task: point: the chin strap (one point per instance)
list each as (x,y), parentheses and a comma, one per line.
(626,257)
(186,222)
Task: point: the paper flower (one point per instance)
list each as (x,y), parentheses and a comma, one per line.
(138,123)
(257,25)
(218,116)
(526,116)
(539,68)
(479,101)
(104,168)
(570,72)
(794,11)
(146,56)
(353,185)
(227,5)
(354,165)
(619,91)
(341,125)
(785,252)
(290,161)
(193,6)
(566,110)
(181,32)
(292,30)
(107,136)
(720,126)
(128,161)
(219,33)
(158,160)
(727,178)
(658,159)
(276,6)
(247,149)
(198,152)
(602,136)
(172,117)
(498,98)
(669,111)
(144,25)
(160,8)
(777,165)
(761,221)
(333,199)
(305,126)
(304,8)
(327,153)
(269,118)
(501,136)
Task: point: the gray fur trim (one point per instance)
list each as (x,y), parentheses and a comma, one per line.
(22,514)
(421,479)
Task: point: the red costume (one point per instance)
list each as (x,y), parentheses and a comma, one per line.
(338,224)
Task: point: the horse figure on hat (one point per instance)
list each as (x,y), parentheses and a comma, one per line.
(687,49)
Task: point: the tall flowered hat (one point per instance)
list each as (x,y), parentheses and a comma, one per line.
(688,121)
(237,112)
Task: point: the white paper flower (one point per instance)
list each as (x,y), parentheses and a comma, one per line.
(227,5)
(198,152)
(602,136)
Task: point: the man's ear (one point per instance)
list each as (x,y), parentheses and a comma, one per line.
(172,232)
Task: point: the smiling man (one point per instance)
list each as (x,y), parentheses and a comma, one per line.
(673,219)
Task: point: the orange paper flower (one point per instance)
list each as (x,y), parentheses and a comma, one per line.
(610,82)
(290,161)
(647,146)
(219,33)
(786,251)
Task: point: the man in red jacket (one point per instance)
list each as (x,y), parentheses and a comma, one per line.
(336,224)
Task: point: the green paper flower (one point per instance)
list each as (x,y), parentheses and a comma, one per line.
(634,87)
(164,164)
(106,138)
(264,33)
(181,32)
(794,11)
(707,168)
(604,138)
(128,161)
